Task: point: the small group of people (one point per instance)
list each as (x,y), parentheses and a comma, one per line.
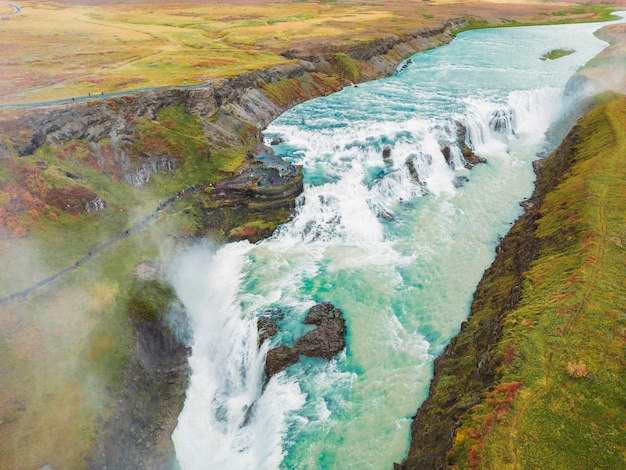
(89,95)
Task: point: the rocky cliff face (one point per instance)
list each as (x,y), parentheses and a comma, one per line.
(243,99)
(152,397)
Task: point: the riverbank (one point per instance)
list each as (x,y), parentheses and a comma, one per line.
(132,153)
(189,43)
(533,378)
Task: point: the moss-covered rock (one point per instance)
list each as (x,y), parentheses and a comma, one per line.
(345,67)
(150,301)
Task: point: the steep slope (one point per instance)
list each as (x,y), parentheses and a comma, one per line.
(535,378)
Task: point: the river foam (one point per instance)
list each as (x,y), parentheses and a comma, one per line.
(400,254)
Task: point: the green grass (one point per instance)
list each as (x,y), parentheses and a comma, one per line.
(114,47)
(345,67)
(564,343)
(591,13)
(150,301)
(66,365)
(65,347)
(557,54)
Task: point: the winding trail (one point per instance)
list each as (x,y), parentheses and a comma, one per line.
(272,171)
(16,10)
(103,95)
(104,246)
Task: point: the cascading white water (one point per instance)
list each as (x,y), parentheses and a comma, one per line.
(398,243)
(227,368)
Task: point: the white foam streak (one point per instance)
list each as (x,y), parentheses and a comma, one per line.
(224,424)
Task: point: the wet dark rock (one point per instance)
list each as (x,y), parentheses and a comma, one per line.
(267,325)
(472,159)
(276,141)
(387,155)
(325,341)
(279,358)
(460,181)
(413,172)
(328,338)
(501,121)
(447,155)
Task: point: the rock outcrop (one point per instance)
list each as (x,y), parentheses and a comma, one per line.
(251,204)
(242,99)
(325,341)
(152,396)
(137,434)
(140,176)
(470,159)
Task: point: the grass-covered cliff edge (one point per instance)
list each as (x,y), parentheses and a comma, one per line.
(535,378)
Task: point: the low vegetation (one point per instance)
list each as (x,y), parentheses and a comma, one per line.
(150,300)
(65,346)
(535,379)
(64,50)
(564,342)
(557,54)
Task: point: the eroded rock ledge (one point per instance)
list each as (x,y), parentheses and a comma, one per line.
(137,434)
(243,99)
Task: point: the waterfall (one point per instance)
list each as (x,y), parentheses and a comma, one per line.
(393,229)
(227,422)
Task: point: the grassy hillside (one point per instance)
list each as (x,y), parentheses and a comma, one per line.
(65,346)
(535,379)
(558,401)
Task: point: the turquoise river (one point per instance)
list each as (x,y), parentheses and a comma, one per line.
(398,244)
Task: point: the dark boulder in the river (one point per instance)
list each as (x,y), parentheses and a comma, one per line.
(502,121)
(471,159)
(267,324)
(387,155)
(325,341)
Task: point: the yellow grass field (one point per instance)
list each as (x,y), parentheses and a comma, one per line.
(55,50)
